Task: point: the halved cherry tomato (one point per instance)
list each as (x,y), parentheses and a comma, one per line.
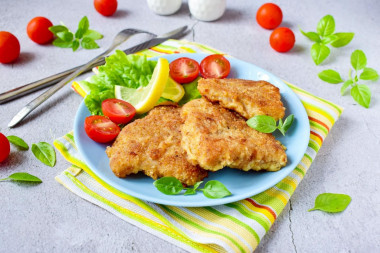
(269,16)
(118,111)
(105,7)
(282,39)
(184,70)
(38,30)
(5,147)
(101,129)
(215,66)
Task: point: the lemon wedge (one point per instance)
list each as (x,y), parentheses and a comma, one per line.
(173,90)
(145,98)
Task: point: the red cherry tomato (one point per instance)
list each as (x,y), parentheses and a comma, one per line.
(282,39)
(269,16)
(105,7)
(215,66)
(38,30)
(184,70)
(101,129)
(5,147)
(9,47)
(118,111)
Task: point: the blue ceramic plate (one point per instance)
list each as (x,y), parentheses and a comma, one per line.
(241,184)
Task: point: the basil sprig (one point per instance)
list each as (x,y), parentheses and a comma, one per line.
(360,92)
(331,202)
(267,124)
(83,37)
(325,36)
(172,186)
(22,177)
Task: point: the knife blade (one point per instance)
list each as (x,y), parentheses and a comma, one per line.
(48,81)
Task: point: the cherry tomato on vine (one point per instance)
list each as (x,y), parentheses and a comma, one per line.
(9,47)
(269,16)
(38,30)
(5,147)
(184,70)
(101,129)
(105,7)
(215,66)
(118,111)
(282,39)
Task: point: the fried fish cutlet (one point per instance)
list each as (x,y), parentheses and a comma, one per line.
(248,98)
(153,145)
(215,137)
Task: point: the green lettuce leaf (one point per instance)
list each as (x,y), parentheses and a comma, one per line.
(132,71)
(191,92)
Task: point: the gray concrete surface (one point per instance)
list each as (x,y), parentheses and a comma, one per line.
(48,218)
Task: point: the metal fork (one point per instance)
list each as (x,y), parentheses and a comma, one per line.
(121,37)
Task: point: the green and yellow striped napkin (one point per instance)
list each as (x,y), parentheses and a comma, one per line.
(234,227)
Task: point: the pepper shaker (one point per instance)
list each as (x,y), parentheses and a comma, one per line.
(207,10)
(164,7)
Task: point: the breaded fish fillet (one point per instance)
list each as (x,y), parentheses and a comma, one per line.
(248,98)
(215,137)
(153,145)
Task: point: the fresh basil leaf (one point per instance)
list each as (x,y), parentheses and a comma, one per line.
(44,152)
(369,74)
(75,45)
(65,36)
(60,43)
(286,125)
(215,190)
(330,76)
(58,28)
(329,39)
(358,60)
(361,94)
(344,87)
(313,36)
(343,39)
(82,27)
(331,202)
(326,26)
(191,191)
(92,34)
(262,123)
(88,43)
(319,53)
(168,185)
(22,177)
(17,141)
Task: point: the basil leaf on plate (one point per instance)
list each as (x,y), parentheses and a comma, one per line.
(17,141)
(168,185)
(262,123)
(191,191)
(44,152)
(284,127)
(215,190)
(331,202)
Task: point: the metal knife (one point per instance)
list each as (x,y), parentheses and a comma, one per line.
(48,81)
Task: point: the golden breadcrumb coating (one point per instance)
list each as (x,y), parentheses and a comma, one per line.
(153,145)
(215,137)
(248,98)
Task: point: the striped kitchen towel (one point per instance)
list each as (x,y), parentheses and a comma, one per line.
(233,227)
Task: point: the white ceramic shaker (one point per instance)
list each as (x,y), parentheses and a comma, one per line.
(164,7)
(207,10)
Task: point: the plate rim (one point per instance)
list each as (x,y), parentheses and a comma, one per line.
(205,201)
